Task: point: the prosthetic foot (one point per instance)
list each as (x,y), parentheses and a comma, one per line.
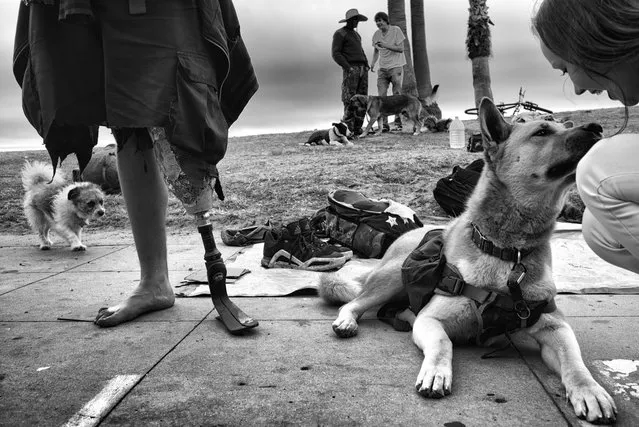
(235,320)
(191,180)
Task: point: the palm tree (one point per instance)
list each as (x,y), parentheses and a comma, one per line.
(478,46)
(420,55)
(397,16)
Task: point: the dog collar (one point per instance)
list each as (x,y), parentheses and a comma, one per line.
(506,254)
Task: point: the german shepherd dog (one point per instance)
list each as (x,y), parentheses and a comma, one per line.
(499,248)
(376,107)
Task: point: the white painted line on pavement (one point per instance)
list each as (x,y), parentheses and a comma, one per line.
(93,412)
(623,374)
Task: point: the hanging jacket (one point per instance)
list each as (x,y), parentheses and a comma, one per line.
(221,30)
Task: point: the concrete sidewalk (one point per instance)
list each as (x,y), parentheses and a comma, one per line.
(181,367)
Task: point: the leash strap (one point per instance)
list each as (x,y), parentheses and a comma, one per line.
(520,306)
(452,283)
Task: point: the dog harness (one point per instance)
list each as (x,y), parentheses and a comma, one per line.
(425,270)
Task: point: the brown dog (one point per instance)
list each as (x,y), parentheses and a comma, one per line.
(492,276)
(379,106)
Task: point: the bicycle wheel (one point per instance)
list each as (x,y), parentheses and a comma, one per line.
(501,107)
(530,106)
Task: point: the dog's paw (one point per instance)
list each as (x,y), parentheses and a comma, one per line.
(79,248)
(434,381)
(592,403)
(45,243)
(345,326)
(345,330)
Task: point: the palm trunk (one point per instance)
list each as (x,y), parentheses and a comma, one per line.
(420,54)
(478,46)
(397,16)
(481,79)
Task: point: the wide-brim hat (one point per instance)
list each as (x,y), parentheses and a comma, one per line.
(353,13)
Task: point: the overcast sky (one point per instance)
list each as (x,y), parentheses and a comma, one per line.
(290,45)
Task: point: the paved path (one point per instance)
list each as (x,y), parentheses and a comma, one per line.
(180,366)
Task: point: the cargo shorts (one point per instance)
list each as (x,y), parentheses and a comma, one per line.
(127,70)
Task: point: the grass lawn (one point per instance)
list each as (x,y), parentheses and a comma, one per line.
(273,177)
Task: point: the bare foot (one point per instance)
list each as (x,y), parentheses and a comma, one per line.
(142,301)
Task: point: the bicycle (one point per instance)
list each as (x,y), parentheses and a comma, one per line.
(503,107)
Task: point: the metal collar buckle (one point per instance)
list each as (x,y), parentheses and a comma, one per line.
(521,309)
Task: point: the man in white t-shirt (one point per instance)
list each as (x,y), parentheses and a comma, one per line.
(388,44)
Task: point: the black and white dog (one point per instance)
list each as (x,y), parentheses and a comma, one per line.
(337,135)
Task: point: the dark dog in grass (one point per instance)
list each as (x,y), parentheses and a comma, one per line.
(489,272)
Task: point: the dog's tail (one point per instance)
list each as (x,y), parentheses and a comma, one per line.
(35,173)
(336,288)
(432,98)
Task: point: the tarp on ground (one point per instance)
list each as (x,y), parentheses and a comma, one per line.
(576,269)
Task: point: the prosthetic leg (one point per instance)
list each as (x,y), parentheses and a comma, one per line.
(190,180)
(235,320)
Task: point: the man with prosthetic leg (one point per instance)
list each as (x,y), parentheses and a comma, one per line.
(168,78)
(195,191)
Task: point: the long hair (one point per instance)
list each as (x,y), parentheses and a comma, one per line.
(590,33)
(595,35)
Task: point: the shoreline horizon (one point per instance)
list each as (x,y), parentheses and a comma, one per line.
(33,144)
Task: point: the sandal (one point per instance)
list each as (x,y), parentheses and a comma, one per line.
(246,236)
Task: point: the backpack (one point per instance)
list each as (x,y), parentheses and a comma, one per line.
(474,144)
(367,226)
(452,191)
(102,169)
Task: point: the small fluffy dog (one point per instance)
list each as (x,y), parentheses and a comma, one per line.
(337,135)
(55,204)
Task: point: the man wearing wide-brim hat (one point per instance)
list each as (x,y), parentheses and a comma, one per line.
(347,51)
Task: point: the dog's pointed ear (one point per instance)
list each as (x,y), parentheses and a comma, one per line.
(494,128)
(334,124)
(73,193)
